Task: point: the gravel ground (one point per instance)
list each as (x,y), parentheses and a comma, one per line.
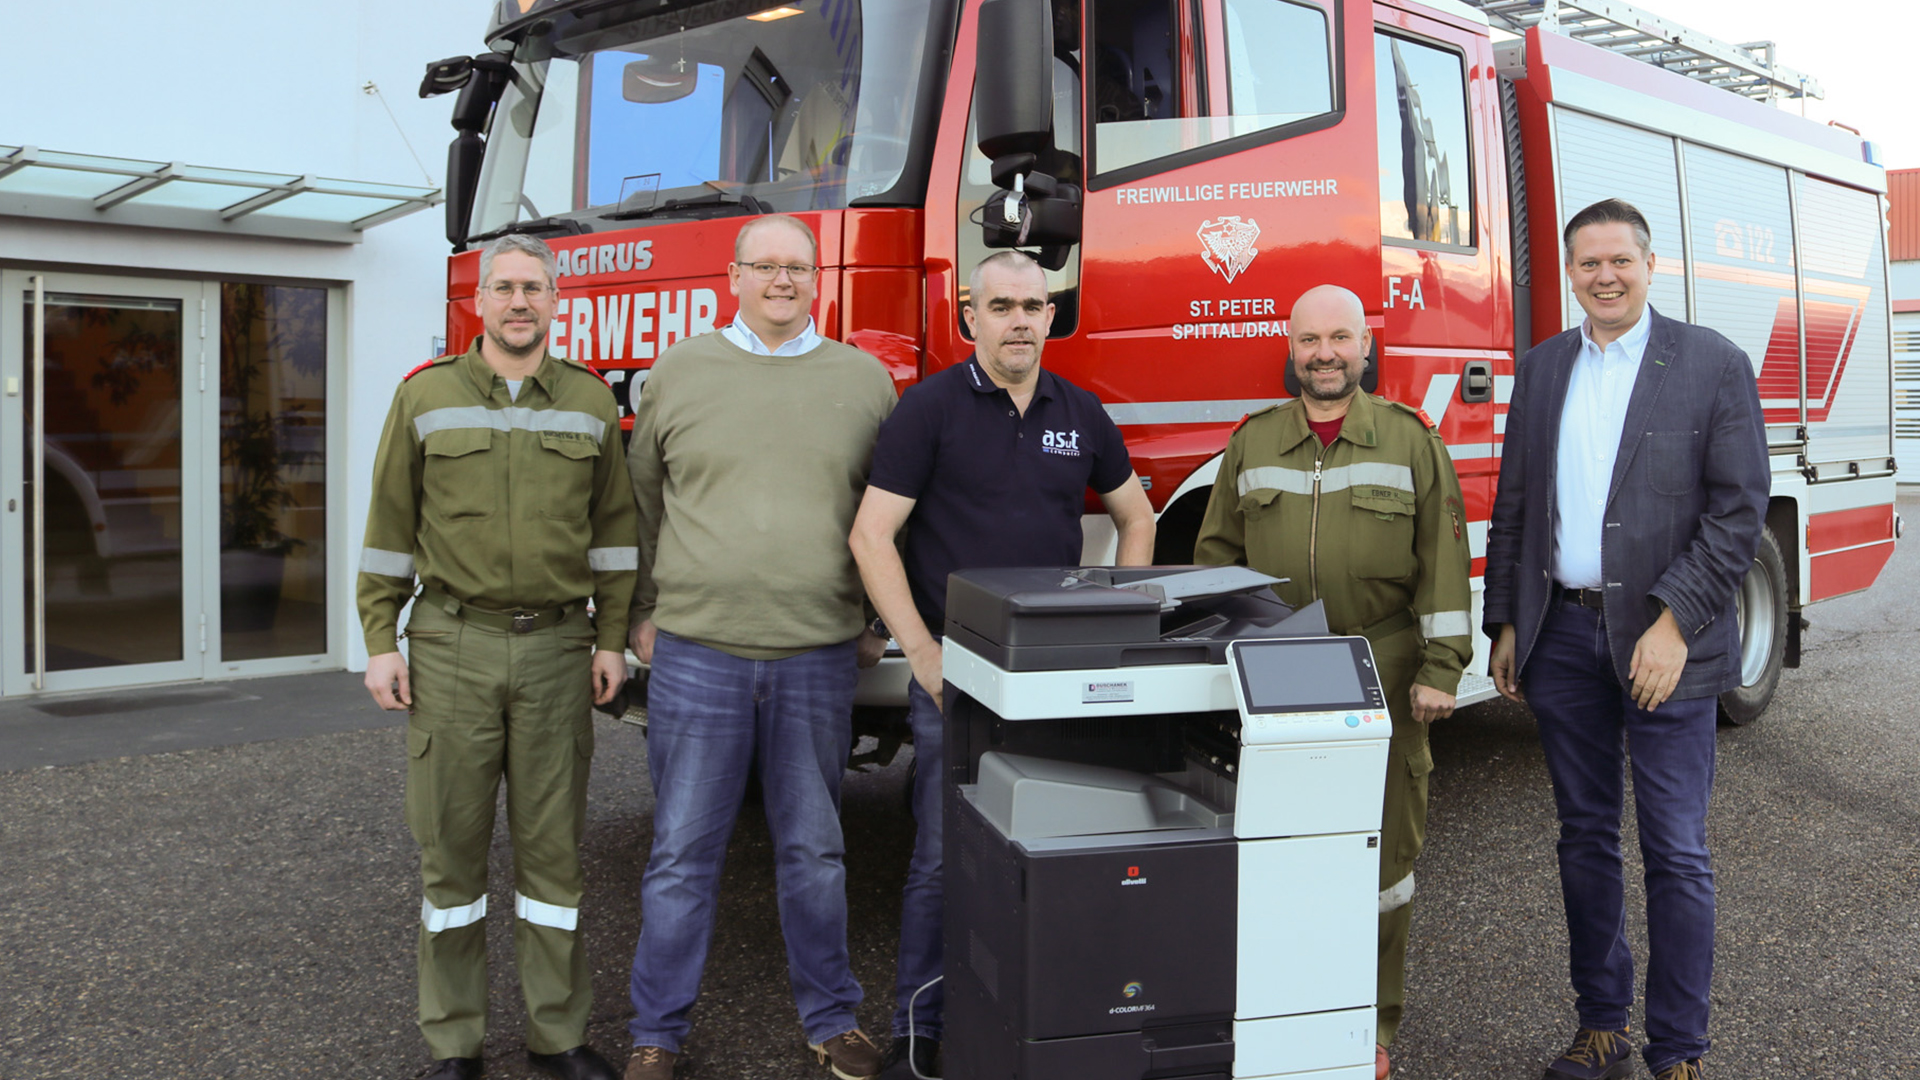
(1815,831)
(249,910)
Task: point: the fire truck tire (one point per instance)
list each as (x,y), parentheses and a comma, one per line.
(1761,605)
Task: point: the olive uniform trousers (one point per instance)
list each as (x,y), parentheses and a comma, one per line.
(1403,820)
(489,704)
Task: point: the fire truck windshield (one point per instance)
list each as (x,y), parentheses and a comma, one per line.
(807,106)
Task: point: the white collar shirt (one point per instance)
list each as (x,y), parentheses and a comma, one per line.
(738,333)
(1591,424)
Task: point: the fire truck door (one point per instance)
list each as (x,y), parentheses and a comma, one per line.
(1446,343)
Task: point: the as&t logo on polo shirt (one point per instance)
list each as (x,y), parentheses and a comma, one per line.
(1061,442)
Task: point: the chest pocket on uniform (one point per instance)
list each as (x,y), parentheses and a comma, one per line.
(1381,545)
(1259,502)
(566,474)
(459,473)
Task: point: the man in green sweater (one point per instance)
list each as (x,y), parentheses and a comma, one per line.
(749,456)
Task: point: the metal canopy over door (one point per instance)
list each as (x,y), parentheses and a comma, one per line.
(102,534)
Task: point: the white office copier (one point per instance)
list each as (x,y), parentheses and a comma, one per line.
(1162,821)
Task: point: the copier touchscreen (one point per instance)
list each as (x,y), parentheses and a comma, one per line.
(1300,676)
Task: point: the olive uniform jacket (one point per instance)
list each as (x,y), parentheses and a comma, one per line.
(502,503)
(1372,525)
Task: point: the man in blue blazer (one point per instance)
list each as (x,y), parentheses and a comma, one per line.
(1633,487)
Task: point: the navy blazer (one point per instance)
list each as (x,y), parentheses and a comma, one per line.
(1684,511)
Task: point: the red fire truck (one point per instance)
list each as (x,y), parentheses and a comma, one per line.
(1186,168)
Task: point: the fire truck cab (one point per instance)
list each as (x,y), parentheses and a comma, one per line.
(1185,169)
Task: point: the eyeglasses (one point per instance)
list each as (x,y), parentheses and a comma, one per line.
(533,290)
(769,271)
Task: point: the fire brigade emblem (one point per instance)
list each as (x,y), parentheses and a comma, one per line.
(1226,245)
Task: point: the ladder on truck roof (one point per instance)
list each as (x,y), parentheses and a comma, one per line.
(1748,70)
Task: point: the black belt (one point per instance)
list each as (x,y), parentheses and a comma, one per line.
(1596,599)
(507,622)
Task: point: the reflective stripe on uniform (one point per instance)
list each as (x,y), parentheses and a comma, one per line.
(1375,474)
(436,919)
(1445,624)
(1399,895)
(613,558)
(1338,478)
(479,416)
(539,914)
(386,563)
(1291,481)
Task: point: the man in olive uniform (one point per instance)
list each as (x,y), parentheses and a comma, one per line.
(502,484)
(1354,498)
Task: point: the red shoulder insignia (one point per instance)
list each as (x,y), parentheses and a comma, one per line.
(1257,412)
(1427,420)
(421,368)
(584,366)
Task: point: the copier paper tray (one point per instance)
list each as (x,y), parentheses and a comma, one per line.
(1065,618)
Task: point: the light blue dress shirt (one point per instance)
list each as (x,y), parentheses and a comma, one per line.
(737,332)
(1590,428)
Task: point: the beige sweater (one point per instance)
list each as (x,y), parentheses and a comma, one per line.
(747,470)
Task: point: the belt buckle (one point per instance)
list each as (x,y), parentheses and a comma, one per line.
(523,622)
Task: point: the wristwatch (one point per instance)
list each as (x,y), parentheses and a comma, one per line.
(879,629)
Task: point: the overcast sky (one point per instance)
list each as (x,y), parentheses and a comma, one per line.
(1863,52)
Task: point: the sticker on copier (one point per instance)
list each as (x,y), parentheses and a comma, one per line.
(1095,692)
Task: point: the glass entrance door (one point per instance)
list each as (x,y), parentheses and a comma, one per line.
(102,532)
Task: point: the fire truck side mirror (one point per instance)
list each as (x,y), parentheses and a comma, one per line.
(1013,116)
(446,76)
(486,77)
(463,181)
(1049,221)
(1013,82)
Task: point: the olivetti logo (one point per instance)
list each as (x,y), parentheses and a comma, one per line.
(1134,877)
(1130,991)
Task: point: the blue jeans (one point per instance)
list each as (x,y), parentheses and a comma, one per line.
(710,715)
(920,901)
(1588,726)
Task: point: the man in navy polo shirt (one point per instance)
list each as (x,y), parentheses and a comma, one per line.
(989,461)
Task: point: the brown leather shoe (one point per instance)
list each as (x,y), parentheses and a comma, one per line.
(650,1063)
(1594,1055)
(851,1055)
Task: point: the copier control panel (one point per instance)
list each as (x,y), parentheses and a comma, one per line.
(1307,689)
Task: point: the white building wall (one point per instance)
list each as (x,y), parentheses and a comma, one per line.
(274,87)
(1906,280)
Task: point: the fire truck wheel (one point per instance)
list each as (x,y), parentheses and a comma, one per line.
(1178,528)
(1761,606)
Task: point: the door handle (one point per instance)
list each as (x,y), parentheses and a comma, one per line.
(38,476)
(1476,381)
